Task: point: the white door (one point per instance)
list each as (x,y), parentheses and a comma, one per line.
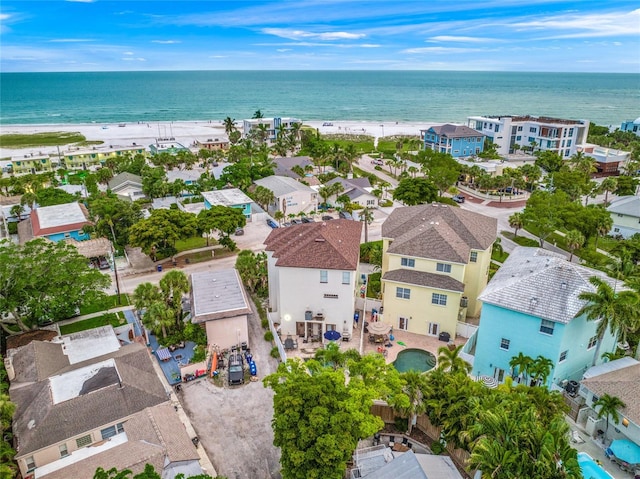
(498,374)
(434,329)
(403,323)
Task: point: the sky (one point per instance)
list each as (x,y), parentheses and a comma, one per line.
(463,35)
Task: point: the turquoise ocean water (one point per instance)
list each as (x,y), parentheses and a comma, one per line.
(35,98)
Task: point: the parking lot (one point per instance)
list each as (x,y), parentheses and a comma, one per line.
(234,423)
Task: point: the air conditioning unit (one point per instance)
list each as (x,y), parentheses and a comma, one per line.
(464,302)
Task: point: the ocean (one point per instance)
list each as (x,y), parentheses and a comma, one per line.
(403,96)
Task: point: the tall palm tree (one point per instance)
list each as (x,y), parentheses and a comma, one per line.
(366,216)
(520,364)
(516,221)
(450,360)
(145,295)
(229,125)
(574,240)
(540,370)
(158,317)
(609,406)
(415,388)
(174,285)
(614,311)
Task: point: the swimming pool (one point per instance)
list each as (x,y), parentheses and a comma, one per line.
(416,359)
(591,470)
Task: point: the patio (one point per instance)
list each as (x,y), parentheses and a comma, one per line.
(170,365)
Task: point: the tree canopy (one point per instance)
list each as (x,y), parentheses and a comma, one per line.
(162,229)
(415,191)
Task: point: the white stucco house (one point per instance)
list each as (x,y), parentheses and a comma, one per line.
(312,271)
(625,213)
(358,190)
(291,196)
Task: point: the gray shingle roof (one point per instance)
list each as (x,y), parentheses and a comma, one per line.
(420,278)
(52,423)
(438,231)
(122,178)
(542,284)
(282,185)
(455,131)
(626,205)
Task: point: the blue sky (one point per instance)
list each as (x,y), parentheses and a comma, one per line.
(508,35)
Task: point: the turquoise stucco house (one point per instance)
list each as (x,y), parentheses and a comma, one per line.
(232,197)
(60,222)
(529,307)
(456,140)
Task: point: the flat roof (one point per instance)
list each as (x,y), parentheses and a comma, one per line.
(81,381)
(60,215)
(229,197)
(216,292)
(90,344)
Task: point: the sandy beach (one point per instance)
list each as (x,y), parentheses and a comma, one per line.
(186,132)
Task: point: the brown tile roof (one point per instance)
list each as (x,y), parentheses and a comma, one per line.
(17,340)
(420,278)
(624,384)
(326,245)
(437,231)
(52,423)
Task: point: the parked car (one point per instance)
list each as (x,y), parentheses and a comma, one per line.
(345,215)
(272,223)
(239,232)
(104,264)
(327,217)
(377,162)
(286,224)
(458,199)
(236,369)
(306,219)
(296,221)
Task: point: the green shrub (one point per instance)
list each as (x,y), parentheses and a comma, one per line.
(265,323)
(437,448)
(268,336)
(13,228)
(522,241)
(401,423)
(275,353)
(199,354)
(385,203)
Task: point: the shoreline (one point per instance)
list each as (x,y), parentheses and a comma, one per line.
(186,132)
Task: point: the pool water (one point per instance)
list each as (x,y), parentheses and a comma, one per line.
(591,470)
(414,359)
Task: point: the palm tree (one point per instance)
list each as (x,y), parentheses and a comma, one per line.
(278,216)
(158,317)
(17,210)
(520,363)
(615,312)
(174,285)
(540,370)
(450,360)
(414,388)
(229,125)
(609,406)
(575,240)
(366,216)
(145,295)
(516,221)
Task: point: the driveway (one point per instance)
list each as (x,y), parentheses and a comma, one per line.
(234,424)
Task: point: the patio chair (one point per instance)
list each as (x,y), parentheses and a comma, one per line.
(576,438)
(392,441)
(405,441)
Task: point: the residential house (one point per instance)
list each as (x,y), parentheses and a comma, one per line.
(273,126)
(190,177)
(631,125)
(608,160)
(435,262)
(625,213)
(285,165)
(291,196)
(167,145)
(358,190)
(231,197)
(312,272)
(456,140)
(619,378)
(529,307)
(127,185)
(219,143)
(76,392)
(219,304)
(77,158)
(30,164)
(56,223)
(541,133)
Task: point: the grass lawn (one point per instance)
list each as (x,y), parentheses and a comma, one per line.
(51,138)
(108,303)
(363,143)
(499,257)
(110,318)
(193,243)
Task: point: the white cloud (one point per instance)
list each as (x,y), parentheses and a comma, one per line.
(127,53)
(443,50)
(218,56)
(302,34)
(166,42)
(4,16)
(282,50)
(71,40)
(81,1)
(450,38)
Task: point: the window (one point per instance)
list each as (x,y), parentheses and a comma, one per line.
(63,450)
(443,268)
(563,355)
(532,129)
(404,293)
(546,326)
(30,463)
(83,441)
(439,299)
(592,342)
(111,431)
(519,128)
(474,257)
(497,128)
(594,399)
(324,276)
(346,277)
(408,262)
(504,344)
(518,138)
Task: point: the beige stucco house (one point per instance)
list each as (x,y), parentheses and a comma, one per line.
(291,196)
(312,277)
(625,213)
(435,264)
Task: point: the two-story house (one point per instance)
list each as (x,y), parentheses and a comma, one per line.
(272,126)
(456,140)
(529,307)
(358,190)
(435,263)
(290,196)
(312,272)
(625,213)
(231,197)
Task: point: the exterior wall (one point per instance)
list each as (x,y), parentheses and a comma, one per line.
(625,225)
(300,290)
(128,189)
(366,201)
(297,201)
(427,266)
(456,147)
(274,282)
(418,310)
(523,332)
(631,126)
(29,165)
(631,431)
(245,207)
(227,332)
(77,235)
(476,277)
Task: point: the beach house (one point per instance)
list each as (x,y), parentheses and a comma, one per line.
(358,190)
(232,197)
(632,126)
(456,140)
(127,186)
(528,132)
(56,223)
(529,307)
(219,143)
(312,272)
(291,196)
(609,161)
(272,126)
(77,158)
(30,164)
(435,262)
(286,164)
(625,213)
